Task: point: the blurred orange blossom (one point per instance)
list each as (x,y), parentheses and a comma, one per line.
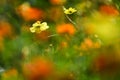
(29,13)
(109,10)
(5,29)
(66,28)
(37,69)
(89,44)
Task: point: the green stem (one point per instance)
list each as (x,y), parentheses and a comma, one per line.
(53,35)
(70,19)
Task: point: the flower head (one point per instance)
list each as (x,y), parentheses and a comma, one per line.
(66,28)
(69,10)
(109,10)
(25,10)
(37,68)
(38,27)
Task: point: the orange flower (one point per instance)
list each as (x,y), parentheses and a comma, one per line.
(57,2)
(5,29)
(66,28)
(89,44)
(30,13)
(38,68)
(109,10)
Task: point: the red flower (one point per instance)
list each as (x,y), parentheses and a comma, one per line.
(109,10)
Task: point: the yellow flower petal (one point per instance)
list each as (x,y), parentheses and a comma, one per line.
(70,10)
(32,29)
(44,26)
(38,27)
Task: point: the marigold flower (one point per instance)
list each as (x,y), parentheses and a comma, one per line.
(66,28)
(70,10)
(29,13)
(5,29)
(89,44)
(38,68)
(38,27)
(109,10)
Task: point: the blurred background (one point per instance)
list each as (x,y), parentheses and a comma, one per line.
(82,45)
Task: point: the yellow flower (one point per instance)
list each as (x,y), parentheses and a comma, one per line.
(69,10)
(44,26)
(38,27)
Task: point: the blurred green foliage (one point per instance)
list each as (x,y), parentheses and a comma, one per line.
(71,59)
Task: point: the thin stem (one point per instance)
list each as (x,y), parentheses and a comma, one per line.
(53,35)
(64,8)
(70,19)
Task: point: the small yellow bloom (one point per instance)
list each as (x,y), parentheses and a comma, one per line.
(32,29)
(44,26)
(38,27)
(69,10)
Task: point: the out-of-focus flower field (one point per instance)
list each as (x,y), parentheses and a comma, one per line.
(59,40)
